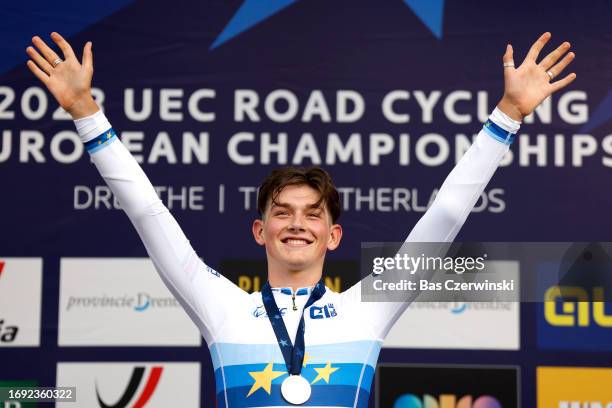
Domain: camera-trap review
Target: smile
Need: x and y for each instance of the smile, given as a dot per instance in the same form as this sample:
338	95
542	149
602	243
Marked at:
297	242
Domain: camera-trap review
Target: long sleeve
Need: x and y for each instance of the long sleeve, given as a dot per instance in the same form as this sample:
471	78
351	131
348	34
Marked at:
465	183
198	287
449	211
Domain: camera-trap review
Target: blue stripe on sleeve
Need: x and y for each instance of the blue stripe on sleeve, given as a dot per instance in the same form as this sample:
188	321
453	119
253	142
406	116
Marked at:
498	133
101	141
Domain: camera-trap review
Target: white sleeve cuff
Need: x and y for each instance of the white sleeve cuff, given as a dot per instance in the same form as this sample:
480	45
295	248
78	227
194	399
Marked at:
504	121
92	126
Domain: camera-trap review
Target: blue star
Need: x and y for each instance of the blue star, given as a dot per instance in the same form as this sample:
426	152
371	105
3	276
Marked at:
278	316
253	12
266	298
284	343
299	353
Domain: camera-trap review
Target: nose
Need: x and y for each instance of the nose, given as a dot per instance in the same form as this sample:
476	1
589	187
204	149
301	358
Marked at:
296	224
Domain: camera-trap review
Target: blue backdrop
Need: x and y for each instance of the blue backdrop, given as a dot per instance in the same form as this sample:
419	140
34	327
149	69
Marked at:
286	65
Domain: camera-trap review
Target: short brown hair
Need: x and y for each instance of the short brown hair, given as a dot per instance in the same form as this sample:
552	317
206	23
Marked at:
314	177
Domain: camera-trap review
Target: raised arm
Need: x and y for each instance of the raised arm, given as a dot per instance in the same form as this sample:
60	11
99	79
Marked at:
525	88
192	282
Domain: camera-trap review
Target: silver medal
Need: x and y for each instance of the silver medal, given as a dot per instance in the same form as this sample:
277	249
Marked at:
296	389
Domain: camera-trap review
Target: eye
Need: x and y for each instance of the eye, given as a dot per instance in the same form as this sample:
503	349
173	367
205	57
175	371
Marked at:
315	214
280	213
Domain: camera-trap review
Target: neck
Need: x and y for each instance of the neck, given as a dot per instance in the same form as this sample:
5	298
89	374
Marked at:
294	279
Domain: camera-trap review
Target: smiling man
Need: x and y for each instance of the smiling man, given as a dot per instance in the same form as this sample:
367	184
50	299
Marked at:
312	346
299	209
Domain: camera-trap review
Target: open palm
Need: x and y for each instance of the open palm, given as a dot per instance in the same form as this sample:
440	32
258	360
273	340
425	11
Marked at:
528	85
68	80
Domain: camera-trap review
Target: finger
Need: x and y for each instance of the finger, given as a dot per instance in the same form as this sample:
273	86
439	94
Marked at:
47	52
40	74
537	46
552	58
508	59
557	69
63	45
42	63
88	56
562	83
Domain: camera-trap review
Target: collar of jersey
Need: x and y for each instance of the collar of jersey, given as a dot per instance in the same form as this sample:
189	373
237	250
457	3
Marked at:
298	292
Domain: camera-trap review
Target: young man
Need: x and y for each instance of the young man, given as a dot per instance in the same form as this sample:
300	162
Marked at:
295	342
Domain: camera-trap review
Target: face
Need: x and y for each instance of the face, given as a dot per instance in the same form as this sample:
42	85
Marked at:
295	232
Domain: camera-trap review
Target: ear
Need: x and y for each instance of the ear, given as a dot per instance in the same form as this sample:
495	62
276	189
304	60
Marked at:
258	232
334	237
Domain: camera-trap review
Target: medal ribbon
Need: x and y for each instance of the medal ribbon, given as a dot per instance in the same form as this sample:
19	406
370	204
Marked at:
293	354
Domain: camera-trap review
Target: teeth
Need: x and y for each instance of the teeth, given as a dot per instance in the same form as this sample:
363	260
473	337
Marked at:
296	241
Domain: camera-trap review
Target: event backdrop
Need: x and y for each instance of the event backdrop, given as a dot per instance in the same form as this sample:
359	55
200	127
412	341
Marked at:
212	95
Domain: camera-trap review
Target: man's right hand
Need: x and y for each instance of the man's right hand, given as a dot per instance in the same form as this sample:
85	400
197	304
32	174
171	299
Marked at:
69	81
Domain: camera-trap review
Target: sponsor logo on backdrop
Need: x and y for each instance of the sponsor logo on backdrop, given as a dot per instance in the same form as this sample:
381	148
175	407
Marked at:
138	302
460	325
7	333
576	311
131	385
20	301
119	301
574	387
428	386
250	275
17	385
446	401
580	311
573	317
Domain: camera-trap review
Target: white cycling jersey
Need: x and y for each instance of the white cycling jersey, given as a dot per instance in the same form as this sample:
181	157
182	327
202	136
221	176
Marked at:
343	335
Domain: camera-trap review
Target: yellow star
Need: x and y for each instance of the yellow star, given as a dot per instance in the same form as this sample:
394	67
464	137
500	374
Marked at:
324	373
109	135
263	379
306	359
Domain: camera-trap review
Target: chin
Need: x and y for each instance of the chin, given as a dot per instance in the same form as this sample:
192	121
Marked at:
295	264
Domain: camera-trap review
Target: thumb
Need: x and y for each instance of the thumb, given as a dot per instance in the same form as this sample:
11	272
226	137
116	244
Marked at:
88	56
508	55
508	60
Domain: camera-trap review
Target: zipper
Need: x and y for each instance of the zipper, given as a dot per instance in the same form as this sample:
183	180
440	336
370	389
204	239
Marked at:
293	299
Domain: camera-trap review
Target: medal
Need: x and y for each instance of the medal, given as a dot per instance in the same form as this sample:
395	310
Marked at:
295	389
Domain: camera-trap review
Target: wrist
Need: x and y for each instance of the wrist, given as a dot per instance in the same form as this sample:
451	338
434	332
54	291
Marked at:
90	127
82	107
510	109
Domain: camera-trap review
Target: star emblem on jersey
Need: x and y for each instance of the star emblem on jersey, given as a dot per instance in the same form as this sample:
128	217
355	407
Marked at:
263	379
307	358
324	373
253	12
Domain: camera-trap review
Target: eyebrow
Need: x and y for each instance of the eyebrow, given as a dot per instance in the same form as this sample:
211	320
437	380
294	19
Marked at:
287	205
